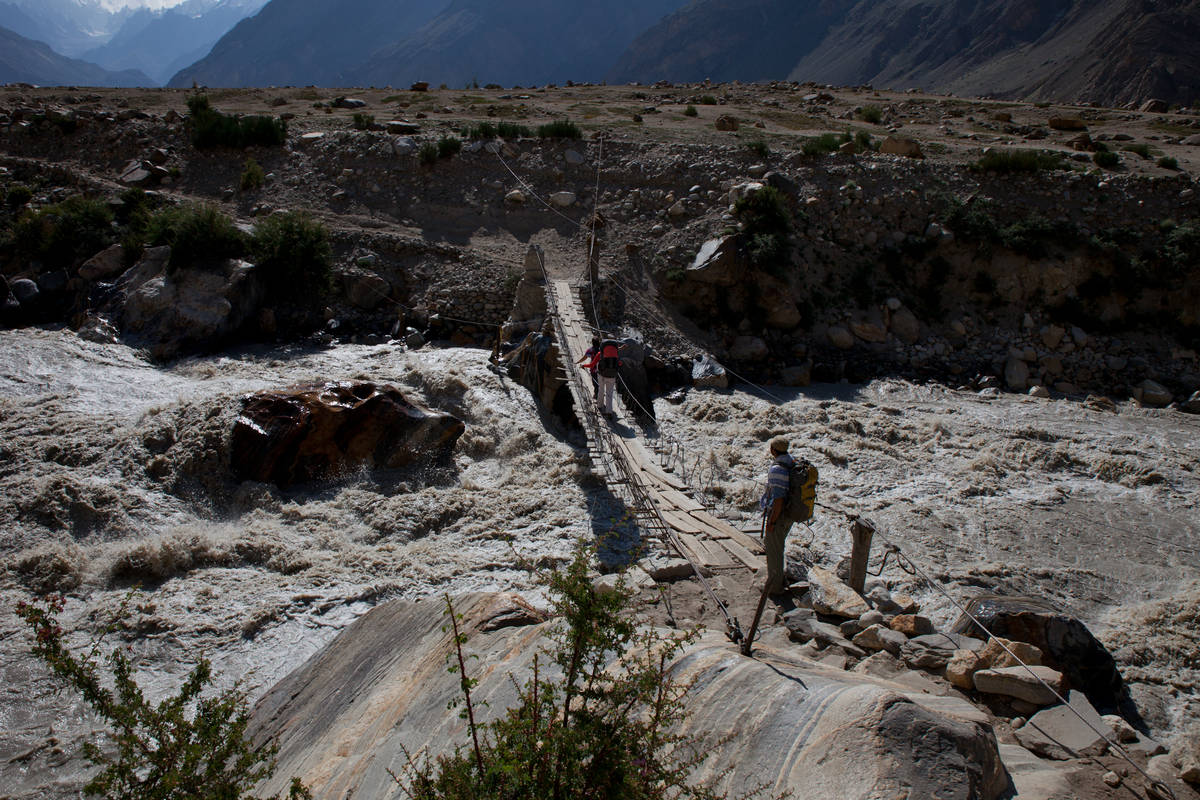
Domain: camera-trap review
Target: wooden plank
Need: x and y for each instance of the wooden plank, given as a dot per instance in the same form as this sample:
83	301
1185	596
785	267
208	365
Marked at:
681	521
748	558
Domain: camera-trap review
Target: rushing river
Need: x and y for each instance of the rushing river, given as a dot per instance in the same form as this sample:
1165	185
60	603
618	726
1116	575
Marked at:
116	488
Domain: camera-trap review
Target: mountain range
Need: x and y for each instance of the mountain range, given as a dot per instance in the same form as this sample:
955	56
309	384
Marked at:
1111	52
23	60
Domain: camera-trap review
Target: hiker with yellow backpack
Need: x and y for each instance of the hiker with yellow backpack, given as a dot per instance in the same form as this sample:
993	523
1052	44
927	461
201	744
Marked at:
789	498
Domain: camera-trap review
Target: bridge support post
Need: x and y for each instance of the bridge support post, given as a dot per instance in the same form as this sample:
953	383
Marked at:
861	534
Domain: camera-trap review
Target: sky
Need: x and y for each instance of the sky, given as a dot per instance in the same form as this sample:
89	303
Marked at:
115	5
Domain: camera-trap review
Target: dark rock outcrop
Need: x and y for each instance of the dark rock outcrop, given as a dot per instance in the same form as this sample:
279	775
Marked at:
1066	643
319	432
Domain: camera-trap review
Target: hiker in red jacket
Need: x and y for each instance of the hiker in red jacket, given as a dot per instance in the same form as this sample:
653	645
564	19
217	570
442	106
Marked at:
607	363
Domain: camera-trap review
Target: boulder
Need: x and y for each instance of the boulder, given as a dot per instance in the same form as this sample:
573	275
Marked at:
726	122
1121	730
349	102
748	348
1016	374
187	309
529	302
719	263
803	626
136	173
404	146
1066	643
380	689
911	625
828	595
563	199
707	373
322	431
1192	141
933	651
1052	336
516	197
24	291
877	637
402	127
840	337
1155	394
666	568
367	289
574	158
95	328
105	264
1067	124
961	668
869	331
1155	106
905	326
796	376
1059	733
1031	684
1193	403
534	364
899	146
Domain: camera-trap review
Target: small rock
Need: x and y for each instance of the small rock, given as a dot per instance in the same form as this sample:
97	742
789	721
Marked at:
1112	779
574	157
1016	374
1039	391
933	651
661	568
894	145
961	668
725	122
516	197
1060	733
1155	394
911	625
841	338
1190	772
563	199
24	290
871	618
828	595
877	637
1122	731
994	655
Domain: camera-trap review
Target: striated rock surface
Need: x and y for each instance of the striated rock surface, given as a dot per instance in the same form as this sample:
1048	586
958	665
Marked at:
342	718
318	432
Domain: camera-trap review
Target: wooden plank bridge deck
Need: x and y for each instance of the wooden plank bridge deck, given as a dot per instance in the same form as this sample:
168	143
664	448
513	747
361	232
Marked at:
660	499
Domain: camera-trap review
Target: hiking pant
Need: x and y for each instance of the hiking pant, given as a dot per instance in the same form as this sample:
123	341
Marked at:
607	387
595	386
773	540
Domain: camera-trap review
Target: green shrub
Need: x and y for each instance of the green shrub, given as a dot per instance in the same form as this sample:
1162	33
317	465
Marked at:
502	130
427	155
766	228
871	114
448	146
253	176
708	100
1018	161
691	111
1169	162
362	122
65	233
197	234
1106	159
863	141
582	726
18	195
211	128
824	144
1181	252
189	746
561	129
293	257
1141	148
759	148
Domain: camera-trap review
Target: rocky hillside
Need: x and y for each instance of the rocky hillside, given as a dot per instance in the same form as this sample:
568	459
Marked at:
1111	52
26	61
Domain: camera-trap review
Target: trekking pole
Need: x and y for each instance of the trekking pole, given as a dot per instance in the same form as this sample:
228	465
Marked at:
748	643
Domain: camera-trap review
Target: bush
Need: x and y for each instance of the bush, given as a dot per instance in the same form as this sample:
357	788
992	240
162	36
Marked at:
447	146
502	130
253	176
759	148
293	257
823	144
691	111
211	128
428	154
189	746
18	195
197	234
1141	148
562	129
1018	161
1169	162
597	731
766	228
708	100
363	121
1106	159
871	114
863	141
65	233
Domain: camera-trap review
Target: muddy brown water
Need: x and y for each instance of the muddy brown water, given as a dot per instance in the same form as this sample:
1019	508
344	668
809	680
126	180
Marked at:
112	477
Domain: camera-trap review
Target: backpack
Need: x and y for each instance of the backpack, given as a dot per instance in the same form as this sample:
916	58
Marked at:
802	492
610	359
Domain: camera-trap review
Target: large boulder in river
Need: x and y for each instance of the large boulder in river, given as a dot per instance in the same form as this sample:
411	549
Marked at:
1066	643
719	263
318	432
349	714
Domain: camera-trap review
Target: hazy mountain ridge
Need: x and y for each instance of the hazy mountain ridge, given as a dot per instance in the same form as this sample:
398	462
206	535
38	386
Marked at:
23	60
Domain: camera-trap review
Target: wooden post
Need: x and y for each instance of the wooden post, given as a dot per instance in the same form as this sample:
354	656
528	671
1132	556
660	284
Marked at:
861	533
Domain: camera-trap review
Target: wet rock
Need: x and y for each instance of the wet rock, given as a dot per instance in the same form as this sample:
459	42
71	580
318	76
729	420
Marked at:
810	730
707	373
1040	392
1016	374
911	625
841	338
104	265
319	432
828	595
1155	394
414	340
24	290
96	328
1059	733
796	376
1023	683
52	282
1193	403
877	637
367	290
933	651
1066	643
